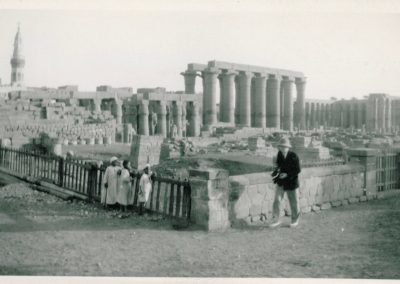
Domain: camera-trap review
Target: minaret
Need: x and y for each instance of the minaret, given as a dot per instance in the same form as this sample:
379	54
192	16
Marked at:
17	61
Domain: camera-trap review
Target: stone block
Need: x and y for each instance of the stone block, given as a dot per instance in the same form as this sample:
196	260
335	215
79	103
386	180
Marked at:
371	197
363	198
306	209
353	200
242	207
336	203
303	202
315	208
345	202
266	206
326	206
255	210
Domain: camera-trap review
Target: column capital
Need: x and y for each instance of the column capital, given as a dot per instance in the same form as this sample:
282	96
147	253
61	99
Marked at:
189	73
288	79
228	73
246	73
260	75
275	76
301	80
211	70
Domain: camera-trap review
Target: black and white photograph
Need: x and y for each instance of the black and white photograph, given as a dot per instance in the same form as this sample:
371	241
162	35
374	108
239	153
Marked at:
199	141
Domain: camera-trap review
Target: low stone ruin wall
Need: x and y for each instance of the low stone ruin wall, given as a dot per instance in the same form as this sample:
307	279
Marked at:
251	196
220	201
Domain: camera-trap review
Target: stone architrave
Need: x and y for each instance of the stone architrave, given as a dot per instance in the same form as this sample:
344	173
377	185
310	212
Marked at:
190	81
287	84
273	101
245	98
300	99
210	96
227	103
260	100
144	118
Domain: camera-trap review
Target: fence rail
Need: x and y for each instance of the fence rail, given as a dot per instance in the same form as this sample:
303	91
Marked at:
170	197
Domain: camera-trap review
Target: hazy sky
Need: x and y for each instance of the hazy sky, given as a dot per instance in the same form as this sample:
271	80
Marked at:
342	54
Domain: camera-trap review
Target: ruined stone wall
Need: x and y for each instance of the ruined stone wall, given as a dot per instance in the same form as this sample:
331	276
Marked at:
145	149
251	196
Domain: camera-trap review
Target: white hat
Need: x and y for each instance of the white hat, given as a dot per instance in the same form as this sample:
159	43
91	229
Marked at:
284	142
113	159
147	166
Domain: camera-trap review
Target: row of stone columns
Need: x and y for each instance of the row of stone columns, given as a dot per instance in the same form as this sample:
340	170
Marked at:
178	118
262	102
336	114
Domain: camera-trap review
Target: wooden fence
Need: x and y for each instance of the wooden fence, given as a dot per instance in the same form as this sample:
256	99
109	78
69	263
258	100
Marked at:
170	197
387	171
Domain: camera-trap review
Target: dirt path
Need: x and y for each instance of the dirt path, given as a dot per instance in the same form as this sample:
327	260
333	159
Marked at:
43	235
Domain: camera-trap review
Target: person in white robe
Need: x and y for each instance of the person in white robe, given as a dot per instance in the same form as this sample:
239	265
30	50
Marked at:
110	186
125	188
144	188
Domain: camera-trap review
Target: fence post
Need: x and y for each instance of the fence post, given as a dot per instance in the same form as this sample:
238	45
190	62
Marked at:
367	158
61	171
209	198
92	178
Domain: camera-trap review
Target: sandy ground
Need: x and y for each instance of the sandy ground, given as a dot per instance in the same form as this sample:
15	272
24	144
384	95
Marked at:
43	235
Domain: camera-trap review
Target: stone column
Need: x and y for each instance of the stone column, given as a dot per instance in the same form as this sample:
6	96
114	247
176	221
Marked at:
210	96
273	101
287	85
144	118
352	112
359	115
97	105
312	116
322	113
237	100
317	115
194	123
178	117
209	199
307	116
388	114
245	98
118	112
190	81
227	102
183	119
260	110
300	88
162	119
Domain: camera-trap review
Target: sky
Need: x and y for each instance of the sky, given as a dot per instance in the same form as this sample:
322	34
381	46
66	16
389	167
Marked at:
344	53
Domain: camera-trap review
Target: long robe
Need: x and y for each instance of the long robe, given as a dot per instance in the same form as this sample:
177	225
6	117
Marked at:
125	188
109	194
144	188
